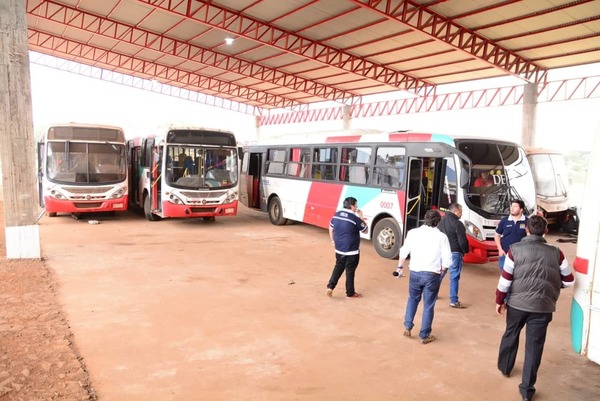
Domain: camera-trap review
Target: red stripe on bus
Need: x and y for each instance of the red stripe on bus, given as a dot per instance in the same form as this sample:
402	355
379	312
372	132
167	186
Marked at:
322	203
410	137
581	265
341	139
402	202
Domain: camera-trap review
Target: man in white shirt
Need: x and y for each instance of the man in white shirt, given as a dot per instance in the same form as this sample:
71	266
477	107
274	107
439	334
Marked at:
427	247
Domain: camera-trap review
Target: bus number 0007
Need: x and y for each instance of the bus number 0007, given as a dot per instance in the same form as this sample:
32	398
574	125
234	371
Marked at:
386	205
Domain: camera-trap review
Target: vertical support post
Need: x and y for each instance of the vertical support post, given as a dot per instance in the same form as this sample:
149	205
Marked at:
17	150
529	114
347	116
257	125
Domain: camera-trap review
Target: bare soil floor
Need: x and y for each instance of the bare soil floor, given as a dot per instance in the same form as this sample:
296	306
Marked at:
236	310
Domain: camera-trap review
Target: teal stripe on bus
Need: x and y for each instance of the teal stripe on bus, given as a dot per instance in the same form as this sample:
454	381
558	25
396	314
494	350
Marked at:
576	326
443	138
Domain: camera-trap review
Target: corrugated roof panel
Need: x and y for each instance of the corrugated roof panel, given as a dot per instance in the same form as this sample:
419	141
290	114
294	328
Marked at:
348	40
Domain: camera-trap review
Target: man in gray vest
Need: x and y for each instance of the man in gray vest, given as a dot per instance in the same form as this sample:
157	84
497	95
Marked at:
534	272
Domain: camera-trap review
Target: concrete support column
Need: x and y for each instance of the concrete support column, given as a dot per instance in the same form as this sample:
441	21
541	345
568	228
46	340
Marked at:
529	114
347	118
17	150
257	124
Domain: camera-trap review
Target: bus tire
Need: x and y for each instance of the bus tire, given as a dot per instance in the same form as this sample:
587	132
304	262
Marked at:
386	238
276	212
148	210
52	214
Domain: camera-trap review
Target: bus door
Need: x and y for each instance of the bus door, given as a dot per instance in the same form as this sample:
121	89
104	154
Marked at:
250	193
431	185
134	174
415	194
40	176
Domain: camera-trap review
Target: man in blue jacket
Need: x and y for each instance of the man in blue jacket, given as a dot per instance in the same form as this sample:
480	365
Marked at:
344	230
510	230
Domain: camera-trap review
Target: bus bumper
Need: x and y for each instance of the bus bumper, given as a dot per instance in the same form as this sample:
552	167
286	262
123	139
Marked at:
481	251
191	211
66	206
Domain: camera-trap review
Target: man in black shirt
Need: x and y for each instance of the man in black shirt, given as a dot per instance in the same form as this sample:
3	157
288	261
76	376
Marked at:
459	245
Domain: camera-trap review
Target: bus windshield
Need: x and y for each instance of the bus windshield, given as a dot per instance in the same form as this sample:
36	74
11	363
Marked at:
196	167
550	173
499	173
77	162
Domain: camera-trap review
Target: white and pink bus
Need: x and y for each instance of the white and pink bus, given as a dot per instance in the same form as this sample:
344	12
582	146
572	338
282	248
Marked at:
585	307
82	169
396	178
187	173
551	178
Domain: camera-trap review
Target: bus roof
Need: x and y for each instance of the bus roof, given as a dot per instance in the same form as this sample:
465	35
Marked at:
368	136
541	151
85	125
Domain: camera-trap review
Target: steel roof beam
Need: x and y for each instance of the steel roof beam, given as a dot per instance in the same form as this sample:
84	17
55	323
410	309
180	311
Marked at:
44	42
232	21
140	83
569	89
445	30
99	25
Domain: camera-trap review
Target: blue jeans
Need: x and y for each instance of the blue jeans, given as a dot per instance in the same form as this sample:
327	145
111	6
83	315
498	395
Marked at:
427	285
501	262
455	269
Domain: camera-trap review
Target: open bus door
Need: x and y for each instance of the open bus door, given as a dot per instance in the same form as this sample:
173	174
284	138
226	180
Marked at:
432	184
250	180
415	195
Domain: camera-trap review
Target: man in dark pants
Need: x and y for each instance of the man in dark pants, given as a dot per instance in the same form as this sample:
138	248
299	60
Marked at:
533	274
344	230
454	229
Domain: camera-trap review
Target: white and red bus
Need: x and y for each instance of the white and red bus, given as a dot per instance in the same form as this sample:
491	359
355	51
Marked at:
585	307
551	184
396	177
82	169
187	173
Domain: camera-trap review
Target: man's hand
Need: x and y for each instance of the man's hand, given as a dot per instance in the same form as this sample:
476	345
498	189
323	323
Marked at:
500	309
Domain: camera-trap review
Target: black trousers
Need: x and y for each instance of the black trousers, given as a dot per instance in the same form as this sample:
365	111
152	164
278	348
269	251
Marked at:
349	263
535	337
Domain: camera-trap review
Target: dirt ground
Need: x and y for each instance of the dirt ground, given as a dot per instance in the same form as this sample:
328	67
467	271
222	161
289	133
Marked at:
236	310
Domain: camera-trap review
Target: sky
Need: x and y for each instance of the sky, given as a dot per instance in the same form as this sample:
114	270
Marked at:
60	96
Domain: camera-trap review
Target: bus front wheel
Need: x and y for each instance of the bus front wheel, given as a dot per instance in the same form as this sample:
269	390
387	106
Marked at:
276	212
386	238
148	210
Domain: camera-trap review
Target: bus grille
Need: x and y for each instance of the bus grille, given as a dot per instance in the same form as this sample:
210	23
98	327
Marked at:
87	205
203	209
203	195
88	190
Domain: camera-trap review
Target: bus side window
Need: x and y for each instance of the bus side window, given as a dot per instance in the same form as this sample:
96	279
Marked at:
357	174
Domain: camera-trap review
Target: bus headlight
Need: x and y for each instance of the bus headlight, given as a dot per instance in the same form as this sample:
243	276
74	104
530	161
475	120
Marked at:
473	230
57	195
175	199
231	197
118	193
